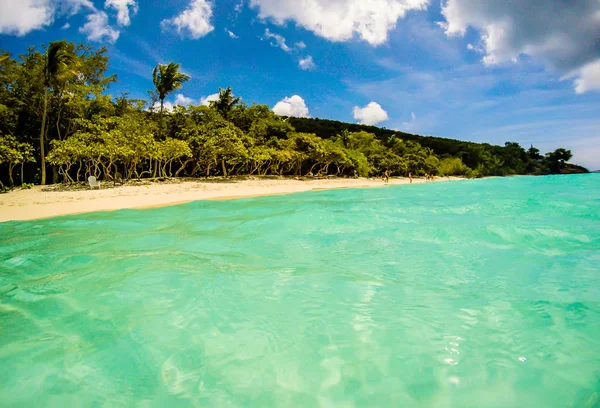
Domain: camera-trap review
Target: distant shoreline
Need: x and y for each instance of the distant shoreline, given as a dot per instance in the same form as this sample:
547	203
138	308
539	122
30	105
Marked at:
35	203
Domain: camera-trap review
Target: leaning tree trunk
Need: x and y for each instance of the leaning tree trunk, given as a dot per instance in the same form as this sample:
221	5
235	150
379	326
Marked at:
224	168
42	133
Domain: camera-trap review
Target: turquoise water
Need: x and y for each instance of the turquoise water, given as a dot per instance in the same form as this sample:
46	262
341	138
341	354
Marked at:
481	293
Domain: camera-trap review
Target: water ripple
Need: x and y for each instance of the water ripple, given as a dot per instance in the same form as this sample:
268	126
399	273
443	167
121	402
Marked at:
482	293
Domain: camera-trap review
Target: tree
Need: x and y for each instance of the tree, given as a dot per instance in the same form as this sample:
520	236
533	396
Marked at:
58	59
12	153
225	103
534	153
556	160
167	78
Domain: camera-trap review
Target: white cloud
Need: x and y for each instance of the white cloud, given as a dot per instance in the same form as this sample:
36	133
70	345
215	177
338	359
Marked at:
307	63
340	20
564	34
278	40
206	100
589	78
239	7
72	7
231	34
371	114
194	22
408	126
292	106
183	100
123	9
167	106
97	28
22	16
300	45
180	99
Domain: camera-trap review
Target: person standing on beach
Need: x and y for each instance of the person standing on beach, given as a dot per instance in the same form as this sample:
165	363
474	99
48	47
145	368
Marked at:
410	177
386	176
355	174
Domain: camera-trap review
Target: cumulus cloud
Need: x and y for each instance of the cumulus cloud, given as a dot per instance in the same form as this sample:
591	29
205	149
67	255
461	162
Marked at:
307	63
300	45
97	28
231	34
278	40
341	20
371	114
292	106
564	34
167	106
206	100
194	22
123	7
23	16
183	100
180	99
589	78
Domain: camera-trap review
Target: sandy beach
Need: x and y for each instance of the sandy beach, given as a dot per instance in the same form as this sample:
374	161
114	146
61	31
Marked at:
37	203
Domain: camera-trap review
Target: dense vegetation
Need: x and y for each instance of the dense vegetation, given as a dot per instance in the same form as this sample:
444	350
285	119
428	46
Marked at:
56	115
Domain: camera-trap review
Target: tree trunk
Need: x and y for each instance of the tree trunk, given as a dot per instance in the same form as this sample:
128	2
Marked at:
78	170
10	173
54	175
183	166
161	117
22	164
42	133
224	168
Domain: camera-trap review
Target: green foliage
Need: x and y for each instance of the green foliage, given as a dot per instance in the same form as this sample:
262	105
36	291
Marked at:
555	161
167	78
59	99
225	103
453	166
13	152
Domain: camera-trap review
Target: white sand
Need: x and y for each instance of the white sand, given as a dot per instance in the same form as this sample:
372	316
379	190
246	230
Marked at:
35	203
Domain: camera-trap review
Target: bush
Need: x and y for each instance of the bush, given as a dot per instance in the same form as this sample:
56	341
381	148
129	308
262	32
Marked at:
454	166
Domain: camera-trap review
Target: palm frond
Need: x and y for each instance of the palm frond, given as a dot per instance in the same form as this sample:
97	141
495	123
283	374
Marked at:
167	78
58	60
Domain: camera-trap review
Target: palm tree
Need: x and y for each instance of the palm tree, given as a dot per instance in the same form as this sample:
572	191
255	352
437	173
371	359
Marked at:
226	102
167	78
58	59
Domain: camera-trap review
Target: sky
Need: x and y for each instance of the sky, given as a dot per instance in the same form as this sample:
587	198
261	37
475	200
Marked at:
524	71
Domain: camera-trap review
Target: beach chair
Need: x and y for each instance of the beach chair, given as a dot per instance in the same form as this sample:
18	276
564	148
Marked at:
93	182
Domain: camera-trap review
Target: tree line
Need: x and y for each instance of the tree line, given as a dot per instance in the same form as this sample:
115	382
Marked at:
56	116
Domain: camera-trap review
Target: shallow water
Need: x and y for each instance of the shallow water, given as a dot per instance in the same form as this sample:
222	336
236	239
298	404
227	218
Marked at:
480	293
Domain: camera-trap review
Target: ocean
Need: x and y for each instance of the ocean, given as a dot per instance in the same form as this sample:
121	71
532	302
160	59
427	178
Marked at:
476	293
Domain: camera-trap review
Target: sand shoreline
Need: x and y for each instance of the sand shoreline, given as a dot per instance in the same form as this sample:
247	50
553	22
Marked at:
20	205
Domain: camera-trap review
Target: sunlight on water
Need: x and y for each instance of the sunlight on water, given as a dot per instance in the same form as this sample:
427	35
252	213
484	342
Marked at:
471	294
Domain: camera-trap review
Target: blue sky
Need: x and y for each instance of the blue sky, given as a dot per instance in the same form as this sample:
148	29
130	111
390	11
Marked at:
518	70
